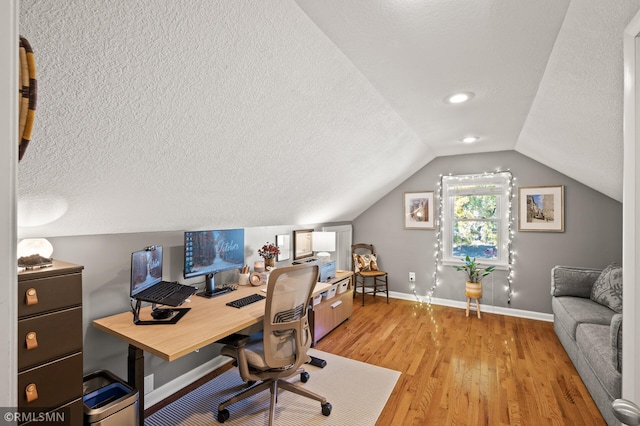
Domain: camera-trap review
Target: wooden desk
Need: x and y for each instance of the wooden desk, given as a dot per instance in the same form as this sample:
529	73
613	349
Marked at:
208	321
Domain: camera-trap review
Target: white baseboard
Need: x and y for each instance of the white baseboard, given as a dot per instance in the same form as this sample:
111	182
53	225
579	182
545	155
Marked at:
484	308
159	394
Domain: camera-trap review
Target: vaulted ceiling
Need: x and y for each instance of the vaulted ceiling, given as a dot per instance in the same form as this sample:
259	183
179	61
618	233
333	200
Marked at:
166	115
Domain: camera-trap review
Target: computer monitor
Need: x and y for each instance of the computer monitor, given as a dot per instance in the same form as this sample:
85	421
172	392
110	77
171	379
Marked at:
209	252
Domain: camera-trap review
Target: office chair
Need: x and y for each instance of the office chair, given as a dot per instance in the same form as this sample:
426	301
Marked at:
365	265
286	337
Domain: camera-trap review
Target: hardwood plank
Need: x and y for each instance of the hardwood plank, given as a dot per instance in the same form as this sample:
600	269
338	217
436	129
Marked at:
497	370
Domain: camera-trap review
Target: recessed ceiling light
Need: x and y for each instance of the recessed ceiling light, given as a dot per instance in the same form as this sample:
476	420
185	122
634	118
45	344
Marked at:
470	139
458	98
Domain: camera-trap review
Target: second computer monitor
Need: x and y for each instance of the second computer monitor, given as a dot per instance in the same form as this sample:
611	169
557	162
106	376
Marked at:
208	252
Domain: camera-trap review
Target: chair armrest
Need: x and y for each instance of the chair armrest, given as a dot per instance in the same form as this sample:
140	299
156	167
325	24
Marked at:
573	281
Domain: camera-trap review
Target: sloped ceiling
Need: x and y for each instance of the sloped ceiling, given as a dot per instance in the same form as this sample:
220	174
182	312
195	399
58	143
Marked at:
166	115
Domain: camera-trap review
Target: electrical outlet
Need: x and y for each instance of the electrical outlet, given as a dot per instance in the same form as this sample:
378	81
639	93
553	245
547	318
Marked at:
148	384
412	276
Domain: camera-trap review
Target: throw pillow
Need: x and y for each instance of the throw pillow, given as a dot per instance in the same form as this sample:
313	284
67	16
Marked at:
607	290
365	262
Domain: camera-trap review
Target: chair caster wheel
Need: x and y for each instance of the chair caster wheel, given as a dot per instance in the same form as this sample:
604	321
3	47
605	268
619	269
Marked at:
326	409
223	415
304	377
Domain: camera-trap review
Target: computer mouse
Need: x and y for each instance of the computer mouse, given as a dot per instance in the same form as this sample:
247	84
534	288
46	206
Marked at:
161	313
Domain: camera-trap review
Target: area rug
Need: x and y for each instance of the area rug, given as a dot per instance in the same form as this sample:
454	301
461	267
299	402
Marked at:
357	392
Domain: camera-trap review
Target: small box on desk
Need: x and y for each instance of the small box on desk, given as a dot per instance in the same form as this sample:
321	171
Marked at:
327	271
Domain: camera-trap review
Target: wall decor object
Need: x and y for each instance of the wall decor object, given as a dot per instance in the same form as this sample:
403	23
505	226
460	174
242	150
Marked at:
28	89
302	243
541	208
284	243
419	210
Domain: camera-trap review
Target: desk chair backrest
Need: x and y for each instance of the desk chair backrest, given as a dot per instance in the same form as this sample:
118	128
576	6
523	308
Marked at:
286	328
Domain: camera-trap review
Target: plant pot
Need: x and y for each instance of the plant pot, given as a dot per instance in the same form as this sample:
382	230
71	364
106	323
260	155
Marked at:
270	262
473	290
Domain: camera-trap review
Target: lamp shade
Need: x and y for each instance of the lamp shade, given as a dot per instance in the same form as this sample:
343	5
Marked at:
323	242
31	246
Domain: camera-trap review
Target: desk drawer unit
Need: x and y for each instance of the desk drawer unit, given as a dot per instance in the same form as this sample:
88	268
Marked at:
332	312
49	336
72	413
51	385
50	371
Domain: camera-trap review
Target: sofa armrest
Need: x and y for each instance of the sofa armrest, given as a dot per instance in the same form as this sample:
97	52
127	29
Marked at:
616	341
573	281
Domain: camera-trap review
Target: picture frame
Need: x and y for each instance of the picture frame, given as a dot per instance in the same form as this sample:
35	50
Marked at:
302	244
283	242
419	212
541	208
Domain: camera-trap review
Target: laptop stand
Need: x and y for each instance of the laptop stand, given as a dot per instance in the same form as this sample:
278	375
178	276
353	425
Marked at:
179	313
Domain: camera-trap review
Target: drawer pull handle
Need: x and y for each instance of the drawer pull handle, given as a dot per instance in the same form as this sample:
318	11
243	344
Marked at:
31	297
31	340
31	392
336	304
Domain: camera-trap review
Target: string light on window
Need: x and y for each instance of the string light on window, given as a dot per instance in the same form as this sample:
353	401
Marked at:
438	245
511	258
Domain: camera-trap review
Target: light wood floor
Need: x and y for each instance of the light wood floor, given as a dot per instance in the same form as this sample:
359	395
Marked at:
459	370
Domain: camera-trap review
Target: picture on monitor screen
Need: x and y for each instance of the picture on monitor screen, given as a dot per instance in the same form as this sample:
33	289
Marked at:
208	252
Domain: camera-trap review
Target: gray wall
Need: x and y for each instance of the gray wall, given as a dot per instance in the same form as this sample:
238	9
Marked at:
107	265
592	237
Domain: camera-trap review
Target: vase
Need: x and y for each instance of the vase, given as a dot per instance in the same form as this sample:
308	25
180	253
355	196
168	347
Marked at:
270	263
473	290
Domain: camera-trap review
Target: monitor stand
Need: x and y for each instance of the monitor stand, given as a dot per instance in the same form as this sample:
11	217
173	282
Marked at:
209	287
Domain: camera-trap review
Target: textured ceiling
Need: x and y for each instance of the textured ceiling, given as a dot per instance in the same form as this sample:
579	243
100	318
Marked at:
166	115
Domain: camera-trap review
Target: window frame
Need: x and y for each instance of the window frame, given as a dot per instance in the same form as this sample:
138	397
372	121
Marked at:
501	183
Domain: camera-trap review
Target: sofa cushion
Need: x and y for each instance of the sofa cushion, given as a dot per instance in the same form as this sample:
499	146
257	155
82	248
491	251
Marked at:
573	311
573	281
616	341
607	290
593	341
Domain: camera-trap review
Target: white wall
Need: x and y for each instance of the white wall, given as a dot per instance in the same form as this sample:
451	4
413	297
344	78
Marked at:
8	154
631	347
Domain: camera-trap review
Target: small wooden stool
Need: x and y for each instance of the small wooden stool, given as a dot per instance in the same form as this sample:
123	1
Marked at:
477	305
473	291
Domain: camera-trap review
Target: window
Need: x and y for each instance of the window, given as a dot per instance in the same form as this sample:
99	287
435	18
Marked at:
476	218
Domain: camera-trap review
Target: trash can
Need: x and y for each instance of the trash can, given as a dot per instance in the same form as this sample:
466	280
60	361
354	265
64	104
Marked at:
109	401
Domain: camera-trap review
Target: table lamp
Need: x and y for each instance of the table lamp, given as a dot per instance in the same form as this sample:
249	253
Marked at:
34	253
323	243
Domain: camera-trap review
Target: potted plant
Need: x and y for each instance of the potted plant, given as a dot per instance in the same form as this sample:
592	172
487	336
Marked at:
475	274
269	252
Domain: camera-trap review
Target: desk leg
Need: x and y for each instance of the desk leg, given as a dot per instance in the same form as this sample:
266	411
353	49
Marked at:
135	377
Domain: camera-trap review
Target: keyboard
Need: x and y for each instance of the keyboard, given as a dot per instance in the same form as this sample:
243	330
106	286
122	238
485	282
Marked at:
161	292
166	293
247	300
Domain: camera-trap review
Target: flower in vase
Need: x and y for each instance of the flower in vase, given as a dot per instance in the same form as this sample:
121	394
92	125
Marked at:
269	251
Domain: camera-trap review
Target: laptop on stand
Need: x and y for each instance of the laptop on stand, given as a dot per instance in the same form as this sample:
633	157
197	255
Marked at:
147	284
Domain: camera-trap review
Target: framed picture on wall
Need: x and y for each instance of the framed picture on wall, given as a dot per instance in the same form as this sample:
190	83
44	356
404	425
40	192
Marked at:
419	210
283	242
541	208
302	244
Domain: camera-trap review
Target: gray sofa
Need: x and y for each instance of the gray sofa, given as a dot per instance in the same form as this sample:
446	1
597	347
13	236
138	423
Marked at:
587	311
